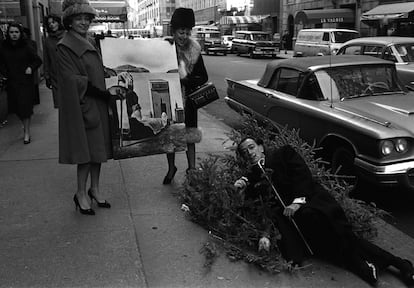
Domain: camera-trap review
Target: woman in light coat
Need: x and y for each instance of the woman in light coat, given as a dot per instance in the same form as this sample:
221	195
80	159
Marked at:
84	135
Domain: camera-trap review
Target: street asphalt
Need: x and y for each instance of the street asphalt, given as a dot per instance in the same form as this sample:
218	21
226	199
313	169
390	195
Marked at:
144	240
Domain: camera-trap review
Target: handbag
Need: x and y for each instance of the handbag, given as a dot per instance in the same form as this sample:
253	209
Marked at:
203	95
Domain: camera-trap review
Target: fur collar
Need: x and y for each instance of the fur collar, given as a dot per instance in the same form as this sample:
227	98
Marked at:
188	56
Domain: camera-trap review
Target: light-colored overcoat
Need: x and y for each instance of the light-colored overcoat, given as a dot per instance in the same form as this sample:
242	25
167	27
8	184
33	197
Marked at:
84	135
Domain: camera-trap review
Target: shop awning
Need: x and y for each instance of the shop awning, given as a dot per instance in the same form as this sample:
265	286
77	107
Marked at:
9	9
390	11
110	11
242	19
343	15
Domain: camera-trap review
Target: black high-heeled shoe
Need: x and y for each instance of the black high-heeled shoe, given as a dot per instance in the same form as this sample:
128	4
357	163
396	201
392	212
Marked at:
100	204
407	272
82	211
168	179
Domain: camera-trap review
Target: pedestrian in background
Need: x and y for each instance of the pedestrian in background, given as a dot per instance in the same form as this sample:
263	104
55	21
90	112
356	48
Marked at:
55	32
285	39
192	74
18	63
33	44
84	135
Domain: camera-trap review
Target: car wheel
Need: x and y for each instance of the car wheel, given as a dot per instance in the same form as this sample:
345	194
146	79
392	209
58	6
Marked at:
342	164
207	53
252	55
225	53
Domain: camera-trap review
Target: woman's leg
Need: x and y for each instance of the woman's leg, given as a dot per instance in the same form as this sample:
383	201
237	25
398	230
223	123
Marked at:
171	168
82	175
26	128
171	162
95	175
191	155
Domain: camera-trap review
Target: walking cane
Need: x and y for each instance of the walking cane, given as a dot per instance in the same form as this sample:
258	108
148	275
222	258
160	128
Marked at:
261	163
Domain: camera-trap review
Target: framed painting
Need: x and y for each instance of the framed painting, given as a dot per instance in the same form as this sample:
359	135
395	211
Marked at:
150	120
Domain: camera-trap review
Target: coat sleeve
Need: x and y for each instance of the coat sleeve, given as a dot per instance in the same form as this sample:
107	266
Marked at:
197	77
3	71
35	60
71	78
72	85
298	172
46	60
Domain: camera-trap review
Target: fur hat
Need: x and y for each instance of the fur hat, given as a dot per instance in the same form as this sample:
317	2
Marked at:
74	7
183	18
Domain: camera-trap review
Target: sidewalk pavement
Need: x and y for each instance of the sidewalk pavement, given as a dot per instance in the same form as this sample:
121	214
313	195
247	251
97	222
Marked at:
144	240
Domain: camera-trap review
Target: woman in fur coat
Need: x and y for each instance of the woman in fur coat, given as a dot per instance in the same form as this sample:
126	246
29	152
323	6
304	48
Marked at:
192	72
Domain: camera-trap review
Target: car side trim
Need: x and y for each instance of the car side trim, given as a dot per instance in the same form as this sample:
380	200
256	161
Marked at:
398	168
385	124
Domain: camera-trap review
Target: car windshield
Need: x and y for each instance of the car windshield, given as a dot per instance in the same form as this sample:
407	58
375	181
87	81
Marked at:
343	36
261	37
357	81
406	51
213	35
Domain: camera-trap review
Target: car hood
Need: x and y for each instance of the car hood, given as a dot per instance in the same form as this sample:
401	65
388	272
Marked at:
406	67
396	111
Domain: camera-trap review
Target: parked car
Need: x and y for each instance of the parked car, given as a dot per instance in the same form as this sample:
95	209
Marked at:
354	107
210	42
322	41
397	49
227	40
255	43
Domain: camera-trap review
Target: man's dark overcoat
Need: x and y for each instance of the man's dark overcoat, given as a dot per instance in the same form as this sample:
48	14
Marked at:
293	179
84	134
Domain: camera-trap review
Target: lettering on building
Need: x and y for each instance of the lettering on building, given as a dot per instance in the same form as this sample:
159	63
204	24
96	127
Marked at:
332	20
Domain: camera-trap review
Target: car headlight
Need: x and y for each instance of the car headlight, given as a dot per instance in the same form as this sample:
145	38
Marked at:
387	147
401	145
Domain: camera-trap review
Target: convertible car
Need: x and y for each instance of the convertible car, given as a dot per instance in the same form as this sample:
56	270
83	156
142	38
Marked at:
354	107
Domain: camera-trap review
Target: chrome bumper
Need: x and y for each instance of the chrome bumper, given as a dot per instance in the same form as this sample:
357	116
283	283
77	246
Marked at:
392	169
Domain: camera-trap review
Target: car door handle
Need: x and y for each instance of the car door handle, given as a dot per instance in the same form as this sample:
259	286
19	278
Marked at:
268	95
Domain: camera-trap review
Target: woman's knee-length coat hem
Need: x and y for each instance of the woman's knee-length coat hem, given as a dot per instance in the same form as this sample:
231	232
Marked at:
84	135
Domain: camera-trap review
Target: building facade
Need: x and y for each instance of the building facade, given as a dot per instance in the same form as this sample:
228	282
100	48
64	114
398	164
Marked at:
150	14
394	15
30	13
206	11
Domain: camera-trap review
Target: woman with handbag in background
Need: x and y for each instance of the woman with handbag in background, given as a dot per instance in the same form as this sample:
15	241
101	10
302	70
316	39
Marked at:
18	63
84	132
192	72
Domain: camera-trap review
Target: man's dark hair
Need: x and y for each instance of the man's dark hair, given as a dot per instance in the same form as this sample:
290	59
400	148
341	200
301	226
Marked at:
258	141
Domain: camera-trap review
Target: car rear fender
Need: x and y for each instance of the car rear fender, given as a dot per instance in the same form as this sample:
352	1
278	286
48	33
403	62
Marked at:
230	87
